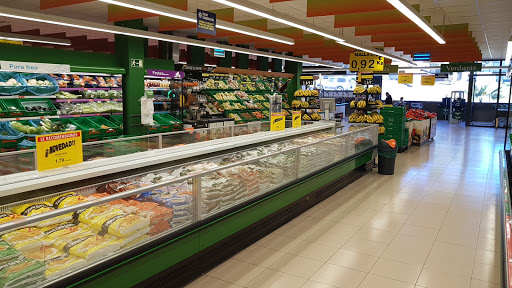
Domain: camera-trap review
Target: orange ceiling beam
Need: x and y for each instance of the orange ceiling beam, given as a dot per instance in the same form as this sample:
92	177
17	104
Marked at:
170	24
339	7
119	13
48	4
370	18
387	29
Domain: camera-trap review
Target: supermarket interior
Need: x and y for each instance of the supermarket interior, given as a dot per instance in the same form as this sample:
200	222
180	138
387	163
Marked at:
255	143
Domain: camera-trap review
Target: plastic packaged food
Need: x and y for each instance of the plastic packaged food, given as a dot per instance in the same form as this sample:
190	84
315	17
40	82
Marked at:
119	224
7	253
8	217
44	253
21	273
58	231
67	199
138	240
63	265
91	247
88	214
26	239
127	240
39	208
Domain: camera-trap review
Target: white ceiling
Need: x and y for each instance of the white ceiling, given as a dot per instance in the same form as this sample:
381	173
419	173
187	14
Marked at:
489	20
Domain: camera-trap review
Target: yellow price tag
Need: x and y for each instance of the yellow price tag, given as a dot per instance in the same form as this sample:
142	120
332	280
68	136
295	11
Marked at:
363	61
428	80
19	43
405	78
277	122
296	119
59	150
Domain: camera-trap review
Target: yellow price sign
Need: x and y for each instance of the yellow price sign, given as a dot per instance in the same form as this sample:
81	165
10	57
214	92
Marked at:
363	61
428	80
296	119
277	122
405	78
59	150
19	43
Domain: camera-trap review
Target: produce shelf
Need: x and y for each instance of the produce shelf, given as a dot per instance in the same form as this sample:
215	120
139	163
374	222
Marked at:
28	97
159	89
88	115
92	89
86	100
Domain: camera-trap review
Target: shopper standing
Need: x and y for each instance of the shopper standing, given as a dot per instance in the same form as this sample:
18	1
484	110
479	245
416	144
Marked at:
388	100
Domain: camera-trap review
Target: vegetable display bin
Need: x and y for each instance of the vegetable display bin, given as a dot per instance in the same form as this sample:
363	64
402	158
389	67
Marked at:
9	137
41	90
3	109
164	125
10	89
89	130
38	107
117	119
14	107
112	130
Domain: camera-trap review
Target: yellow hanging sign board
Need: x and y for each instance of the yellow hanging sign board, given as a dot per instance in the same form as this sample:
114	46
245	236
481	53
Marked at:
364	61
12	42
405	78
59	150
428	80
277	122
296	119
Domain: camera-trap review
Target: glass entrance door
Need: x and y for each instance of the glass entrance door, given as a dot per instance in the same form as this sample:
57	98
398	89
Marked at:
485	100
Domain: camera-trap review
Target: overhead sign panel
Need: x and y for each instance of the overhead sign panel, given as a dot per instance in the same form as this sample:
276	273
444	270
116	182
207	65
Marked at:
206	22
364	61
461	67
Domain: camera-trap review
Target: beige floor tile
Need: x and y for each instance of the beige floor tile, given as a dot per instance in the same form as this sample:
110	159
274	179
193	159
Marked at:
314	284
374	281
308	222
464	237
328	239
237	272
428	219
275	279
368	247
353	260
488	258
475	283
278	242
314	251
396	270
438	279
296	231
343	229
451	258
353	219
375	235
338	276
210	282
385	224
420	232
395	217
260	256
486	273
398	209
297	265
489	244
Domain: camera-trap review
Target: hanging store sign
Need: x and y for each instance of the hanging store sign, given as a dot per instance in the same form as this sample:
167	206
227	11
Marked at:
364	61
166	74
388	69
59	150
296	119
365	78
429	80
19	43
461	67
307	80
442	75
206	22
219	53
277	121
405	78
29	67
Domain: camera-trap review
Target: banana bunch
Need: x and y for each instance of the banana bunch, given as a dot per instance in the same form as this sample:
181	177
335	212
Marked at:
353	104
382	130
314	93
296	104
375	89
316	116
377	118
379	104
361	104
306	117
304	104
305	93
356	117
359	90
312	102
299	93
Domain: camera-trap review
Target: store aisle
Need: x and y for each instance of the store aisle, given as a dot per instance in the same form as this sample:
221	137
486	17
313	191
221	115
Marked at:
435	223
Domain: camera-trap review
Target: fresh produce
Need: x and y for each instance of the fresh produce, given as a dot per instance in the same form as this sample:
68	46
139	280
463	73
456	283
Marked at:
235	116
259	115
306	117
10	82
66	95
353	104
223	96
375	90
35	82
359	90
316	117
26	129
418	114
306	93
361	104
382	130
360	117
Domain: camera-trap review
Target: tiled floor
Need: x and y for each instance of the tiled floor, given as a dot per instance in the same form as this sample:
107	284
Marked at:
434	224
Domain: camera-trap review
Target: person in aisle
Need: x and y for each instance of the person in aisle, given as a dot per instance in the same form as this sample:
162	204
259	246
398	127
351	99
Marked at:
389	99
401	102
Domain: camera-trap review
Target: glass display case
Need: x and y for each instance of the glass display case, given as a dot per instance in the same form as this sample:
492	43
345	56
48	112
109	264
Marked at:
50	237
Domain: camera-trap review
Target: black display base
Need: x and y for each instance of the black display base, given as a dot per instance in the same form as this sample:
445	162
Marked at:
193	267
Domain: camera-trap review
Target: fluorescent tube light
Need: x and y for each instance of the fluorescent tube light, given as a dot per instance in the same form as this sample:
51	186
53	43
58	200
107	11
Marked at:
377	52
167	11
255	9
416	17
87	25
508	55
31	38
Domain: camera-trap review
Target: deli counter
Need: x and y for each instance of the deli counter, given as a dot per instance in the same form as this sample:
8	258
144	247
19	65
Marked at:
164	216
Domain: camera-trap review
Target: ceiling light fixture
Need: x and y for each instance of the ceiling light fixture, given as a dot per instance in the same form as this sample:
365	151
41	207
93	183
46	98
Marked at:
256	9
31	38
87	25
417	18
508	55
171	12
377	52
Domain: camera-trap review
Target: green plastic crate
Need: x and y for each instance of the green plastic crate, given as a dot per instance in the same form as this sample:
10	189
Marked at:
3	110
14	107
171	120
117	119
44	103
164	125
89	132
113	130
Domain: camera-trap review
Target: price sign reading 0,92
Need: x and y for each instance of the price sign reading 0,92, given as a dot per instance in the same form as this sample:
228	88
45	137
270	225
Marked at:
362	61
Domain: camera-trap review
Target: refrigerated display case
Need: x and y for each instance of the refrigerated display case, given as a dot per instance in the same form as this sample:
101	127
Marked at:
91	224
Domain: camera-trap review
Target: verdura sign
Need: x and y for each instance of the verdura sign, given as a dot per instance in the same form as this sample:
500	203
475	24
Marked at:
461	67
